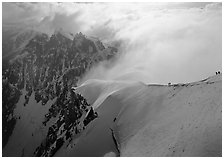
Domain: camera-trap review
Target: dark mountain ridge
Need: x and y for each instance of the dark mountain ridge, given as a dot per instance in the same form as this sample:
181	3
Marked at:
49	67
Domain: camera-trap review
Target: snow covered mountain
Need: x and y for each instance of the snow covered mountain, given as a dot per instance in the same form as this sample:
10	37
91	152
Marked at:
93	79
135	119
45	113
38	104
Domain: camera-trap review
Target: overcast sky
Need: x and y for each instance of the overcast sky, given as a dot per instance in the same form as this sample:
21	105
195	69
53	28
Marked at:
161	42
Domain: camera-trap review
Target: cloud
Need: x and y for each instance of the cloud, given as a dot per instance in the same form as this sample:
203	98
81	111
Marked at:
165	45
160	42
68	23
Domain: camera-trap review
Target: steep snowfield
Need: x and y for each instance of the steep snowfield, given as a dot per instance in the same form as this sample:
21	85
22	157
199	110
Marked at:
29	130
152	120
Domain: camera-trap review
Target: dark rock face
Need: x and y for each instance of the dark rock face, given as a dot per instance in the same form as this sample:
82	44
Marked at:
49	67
68	124
10	97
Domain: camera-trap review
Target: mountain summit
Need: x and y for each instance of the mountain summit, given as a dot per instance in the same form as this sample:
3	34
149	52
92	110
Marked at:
37	82
135	119
45	112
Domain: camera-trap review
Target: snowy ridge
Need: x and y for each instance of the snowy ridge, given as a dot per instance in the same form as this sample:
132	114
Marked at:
97	91
153	120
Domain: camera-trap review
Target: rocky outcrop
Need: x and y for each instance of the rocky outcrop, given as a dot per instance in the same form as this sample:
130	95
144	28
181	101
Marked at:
48	67
69	124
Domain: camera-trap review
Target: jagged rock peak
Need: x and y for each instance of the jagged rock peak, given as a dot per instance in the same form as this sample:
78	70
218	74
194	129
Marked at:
80	35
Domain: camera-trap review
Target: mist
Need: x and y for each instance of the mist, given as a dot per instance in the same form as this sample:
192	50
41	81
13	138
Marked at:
158	42
165	45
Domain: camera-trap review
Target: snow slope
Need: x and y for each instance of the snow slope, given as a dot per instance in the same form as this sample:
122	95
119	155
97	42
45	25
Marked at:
152	120
29	130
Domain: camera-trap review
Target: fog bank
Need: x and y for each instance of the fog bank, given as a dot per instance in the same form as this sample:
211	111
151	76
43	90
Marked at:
159	42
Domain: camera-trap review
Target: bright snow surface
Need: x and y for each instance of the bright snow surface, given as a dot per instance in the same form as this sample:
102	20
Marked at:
146	120
152	120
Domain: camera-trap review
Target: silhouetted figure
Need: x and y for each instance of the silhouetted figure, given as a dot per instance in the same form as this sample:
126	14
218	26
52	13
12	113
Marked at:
169	84
216	73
